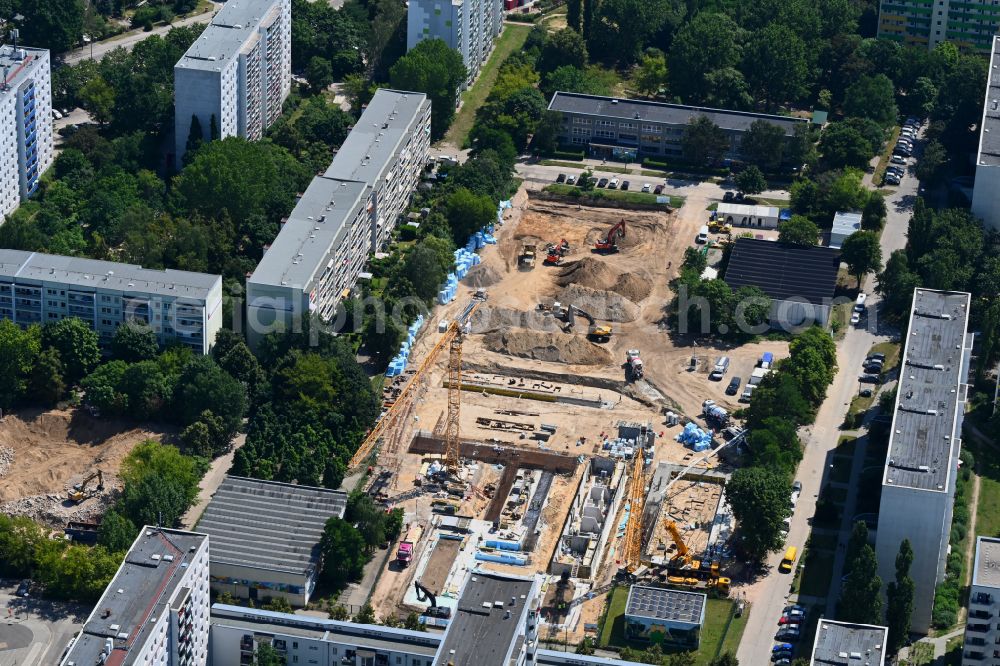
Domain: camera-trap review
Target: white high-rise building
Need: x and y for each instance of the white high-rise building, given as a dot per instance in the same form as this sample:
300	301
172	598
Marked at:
986	193
155	612
468	26
236	75
982	631
25	123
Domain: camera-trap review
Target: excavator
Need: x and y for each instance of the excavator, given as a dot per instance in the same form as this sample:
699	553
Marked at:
596	332
423	594
79	492
556	252
610	242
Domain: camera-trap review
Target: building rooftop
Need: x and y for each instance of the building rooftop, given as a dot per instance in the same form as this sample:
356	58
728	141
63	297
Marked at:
986	572
375	637
322	216
223	39
930	397
989	136
91	275
377	137
745	209
784	271
674	606
17	65
269	525
480	632
559	658
845	644
144	584
846	223
660	112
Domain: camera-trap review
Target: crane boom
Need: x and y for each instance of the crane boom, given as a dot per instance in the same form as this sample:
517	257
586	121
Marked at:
632	548
391	416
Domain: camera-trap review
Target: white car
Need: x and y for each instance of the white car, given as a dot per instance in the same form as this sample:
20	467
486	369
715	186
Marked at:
646	187
613	183
859	304
56	114
855	318
570	180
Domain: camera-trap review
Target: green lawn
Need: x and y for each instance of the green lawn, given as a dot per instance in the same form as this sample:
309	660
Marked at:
816	570
717	634
988	509
611	195
883	158
846	444
780	203
891	351
512	39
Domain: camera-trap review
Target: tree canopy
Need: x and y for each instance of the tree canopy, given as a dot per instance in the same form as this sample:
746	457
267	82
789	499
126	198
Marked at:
759	499
431	67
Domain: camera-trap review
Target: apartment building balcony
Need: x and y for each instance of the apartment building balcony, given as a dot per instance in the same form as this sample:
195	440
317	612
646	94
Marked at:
974	656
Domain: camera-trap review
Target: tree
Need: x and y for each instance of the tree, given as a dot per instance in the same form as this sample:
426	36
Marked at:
18	350
775	64
799	230
589	81
759	499
650	76
623	28
343	553
564	47
875	211
204	385
160	484
704	142
574	14
725	659
45	381
76	344
899	594
467	213
872	97
764	145
134	341
432	68
931	165
319	73
751	180
382	337
861	593
844	146
54	24
413	623
862	253
920	99
266	655
585	646
98	98
694	260
366	615
116	532
691	63
196	136
896	283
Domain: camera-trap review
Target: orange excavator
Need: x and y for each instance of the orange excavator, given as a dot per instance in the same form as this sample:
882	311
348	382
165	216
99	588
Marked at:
556	252
610	242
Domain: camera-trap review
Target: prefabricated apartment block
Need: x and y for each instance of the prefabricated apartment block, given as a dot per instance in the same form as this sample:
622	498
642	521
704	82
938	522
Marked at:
918	486
344	215
468	26
180	306
236	75
848	644
982	630
986	192
25	123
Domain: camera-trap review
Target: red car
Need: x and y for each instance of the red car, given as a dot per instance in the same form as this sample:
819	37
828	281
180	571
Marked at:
785	619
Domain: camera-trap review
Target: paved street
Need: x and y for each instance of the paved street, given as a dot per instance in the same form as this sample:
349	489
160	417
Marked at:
128	40
211	482
770	594
34	632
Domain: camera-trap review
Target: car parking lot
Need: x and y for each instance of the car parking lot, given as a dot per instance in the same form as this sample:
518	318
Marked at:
900	161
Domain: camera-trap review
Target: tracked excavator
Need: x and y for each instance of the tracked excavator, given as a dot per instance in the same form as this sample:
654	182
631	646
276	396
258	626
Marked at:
609	243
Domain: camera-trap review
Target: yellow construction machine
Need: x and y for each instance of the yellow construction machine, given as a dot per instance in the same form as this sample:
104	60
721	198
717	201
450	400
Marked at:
80	491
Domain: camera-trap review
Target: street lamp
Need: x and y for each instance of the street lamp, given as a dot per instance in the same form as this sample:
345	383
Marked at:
88	40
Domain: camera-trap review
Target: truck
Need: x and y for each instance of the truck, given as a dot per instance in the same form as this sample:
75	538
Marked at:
757	376
747	392
712	412
633	364
766	360
404	554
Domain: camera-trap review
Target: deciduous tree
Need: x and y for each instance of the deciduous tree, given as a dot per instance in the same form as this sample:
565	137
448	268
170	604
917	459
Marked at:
343	552
751	180
432	68
759	499
704	142
764	145
134	341
862	253
799	230
76	344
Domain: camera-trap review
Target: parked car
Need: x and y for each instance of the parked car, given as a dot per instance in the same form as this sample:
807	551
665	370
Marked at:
728	196
658	189
570	180
23	589
734	386
877	356
625	185
603	182
796	487
561	178
56	114
783	647
855	318
794	608
786	635
646	187
788	620
897	159
783	656
613	184
868	378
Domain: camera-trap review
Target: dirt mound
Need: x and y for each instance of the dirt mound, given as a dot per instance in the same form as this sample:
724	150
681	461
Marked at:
633	286
587	272
482	276
550	347
487	319
601	304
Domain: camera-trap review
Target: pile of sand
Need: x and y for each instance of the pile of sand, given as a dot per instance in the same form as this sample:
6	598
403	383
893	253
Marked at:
482	276
587	272
633	286
602	305
487	319
549	347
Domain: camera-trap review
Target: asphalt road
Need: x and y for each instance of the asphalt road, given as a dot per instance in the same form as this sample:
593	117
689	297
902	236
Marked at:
771	593
128	40
34	632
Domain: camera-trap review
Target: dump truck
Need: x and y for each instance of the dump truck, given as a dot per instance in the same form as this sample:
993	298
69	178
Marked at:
633	364
526	260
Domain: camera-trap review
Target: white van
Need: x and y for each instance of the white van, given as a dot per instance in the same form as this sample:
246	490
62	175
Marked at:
859	304
720	369
702	235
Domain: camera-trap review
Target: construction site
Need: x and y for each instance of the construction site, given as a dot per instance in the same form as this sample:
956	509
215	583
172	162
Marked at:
548	422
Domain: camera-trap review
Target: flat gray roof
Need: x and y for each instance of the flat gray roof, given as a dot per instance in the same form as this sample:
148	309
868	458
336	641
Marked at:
657	603
225	36
930	396
479	633
545	657
843	644
986	572
377	137
269	525
846	223
660	112
318	220
92	274
989	130
362	635
146	584
18	69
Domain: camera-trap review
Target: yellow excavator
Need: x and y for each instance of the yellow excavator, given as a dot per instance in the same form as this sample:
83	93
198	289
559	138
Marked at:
79	492
596	332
